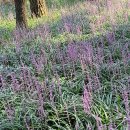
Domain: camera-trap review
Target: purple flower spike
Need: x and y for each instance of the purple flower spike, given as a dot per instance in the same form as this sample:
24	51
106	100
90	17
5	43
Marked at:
110	38
72	52
15	84
87	101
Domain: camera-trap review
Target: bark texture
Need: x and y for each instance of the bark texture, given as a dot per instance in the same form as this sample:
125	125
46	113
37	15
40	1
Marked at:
21	18
38	8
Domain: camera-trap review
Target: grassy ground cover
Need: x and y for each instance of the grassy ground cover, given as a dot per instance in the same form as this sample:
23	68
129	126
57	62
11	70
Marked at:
68	71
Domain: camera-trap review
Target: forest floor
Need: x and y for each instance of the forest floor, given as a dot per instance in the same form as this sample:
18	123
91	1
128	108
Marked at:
69	71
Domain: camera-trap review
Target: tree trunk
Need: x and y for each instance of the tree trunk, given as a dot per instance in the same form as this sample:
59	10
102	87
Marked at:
38	8
21	18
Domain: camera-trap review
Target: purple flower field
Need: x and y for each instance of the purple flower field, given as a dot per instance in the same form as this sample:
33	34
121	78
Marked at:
70	71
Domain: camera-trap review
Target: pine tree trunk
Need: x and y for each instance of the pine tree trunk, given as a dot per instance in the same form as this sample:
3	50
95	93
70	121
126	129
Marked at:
38	8
21	18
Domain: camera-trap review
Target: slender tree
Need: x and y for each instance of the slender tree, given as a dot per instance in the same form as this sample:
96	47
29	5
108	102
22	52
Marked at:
21	18
38	8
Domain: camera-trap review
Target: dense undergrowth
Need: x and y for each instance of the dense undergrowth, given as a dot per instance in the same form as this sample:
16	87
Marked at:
70	71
